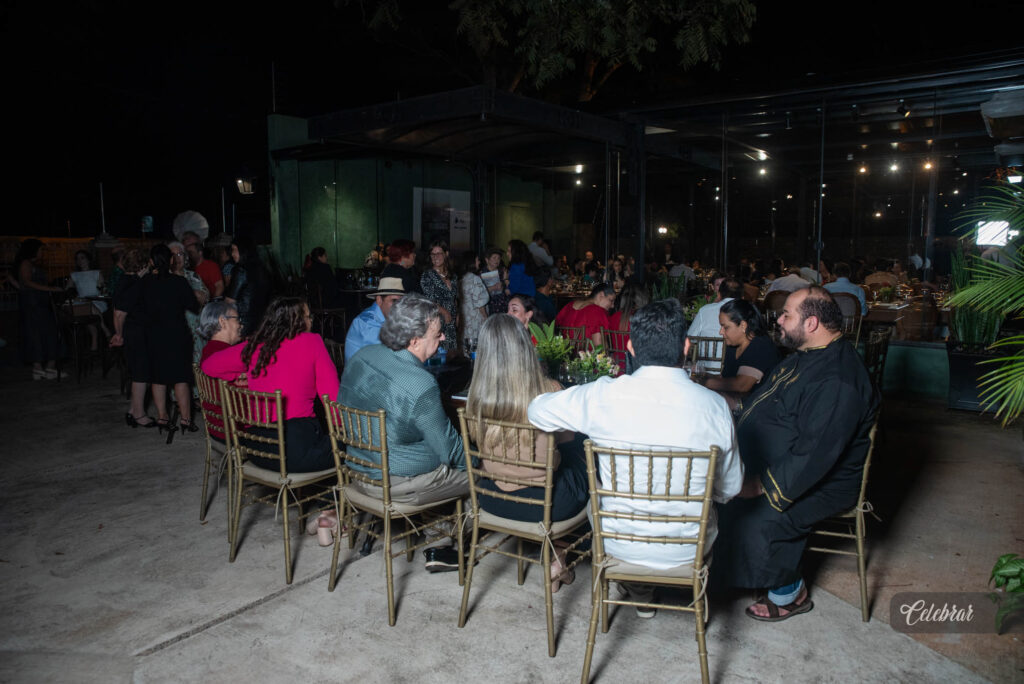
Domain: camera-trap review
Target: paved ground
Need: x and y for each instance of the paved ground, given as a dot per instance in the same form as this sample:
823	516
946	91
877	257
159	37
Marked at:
107	575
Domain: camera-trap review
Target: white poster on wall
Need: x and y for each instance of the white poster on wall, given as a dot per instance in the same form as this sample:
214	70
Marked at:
440	214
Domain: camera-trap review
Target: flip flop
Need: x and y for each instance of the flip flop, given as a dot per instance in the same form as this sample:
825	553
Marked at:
773	609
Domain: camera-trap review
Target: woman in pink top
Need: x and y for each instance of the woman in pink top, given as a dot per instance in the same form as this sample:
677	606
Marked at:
590	313
283	354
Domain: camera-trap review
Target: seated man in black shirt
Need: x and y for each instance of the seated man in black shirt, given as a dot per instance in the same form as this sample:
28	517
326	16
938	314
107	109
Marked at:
803	439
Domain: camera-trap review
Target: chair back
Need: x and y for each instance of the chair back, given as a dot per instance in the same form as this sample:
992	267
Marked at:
919	319
645	477
576	336
351	428
336	350
849	305
875	351
211	405
615	344
867	466
775	300
511	446
707	349
245	411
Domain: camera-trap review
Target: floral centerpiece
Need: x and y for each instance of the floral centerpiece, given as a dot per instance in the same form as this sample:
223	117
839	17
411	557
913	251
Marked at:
591	365
552	349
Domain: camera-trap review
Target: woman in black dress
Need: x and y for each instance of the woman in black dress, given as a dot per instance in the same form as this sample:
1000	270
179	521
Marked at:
40	343
750	353
402	262
130	332
250	285
165	299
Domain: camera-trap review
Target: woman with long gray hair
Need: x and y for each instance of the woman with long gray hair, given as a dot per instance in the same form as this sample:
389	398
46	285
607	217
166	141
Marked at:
506	378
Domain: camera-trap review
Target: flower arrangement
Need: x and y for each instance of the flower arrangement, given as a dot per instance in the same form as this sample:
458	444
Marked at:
591	365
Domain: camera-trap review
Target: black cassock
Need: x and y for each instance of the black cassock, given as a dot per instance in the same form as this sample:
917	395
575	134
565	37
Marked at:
805	434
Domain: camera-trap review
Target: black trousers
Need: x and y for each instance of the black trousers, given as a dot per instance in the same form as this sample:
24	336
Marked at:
307	446
568	497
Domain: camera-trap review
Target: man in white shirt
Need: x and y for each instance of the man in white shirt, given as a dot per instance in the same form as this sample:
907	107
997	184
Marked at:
656	407
705	323
541	255
790	282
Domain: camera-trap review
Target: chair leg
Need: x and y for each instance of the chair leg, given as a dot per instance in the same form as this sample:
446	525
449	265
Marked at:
862	568
545	576
521	564
287	540
236	513
469	574
408	544
457	541
388	569
206	481
595	601
604	607
699	618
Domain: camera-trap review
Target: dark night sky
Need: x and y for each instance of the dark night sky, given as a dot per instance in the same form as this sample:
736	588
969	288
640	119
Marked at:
166	105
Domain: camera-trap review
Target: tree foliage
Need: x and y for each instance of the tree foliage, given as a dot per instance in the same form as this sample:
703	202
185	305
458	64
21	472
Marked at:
533	43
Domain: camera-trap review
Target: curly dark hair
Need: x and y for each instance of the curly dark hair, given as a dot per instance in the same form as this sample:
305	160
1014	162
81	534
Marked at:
285	318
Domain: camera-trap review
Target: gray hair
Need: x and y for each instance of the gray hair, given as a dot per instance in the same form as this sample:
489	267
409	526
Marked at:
410	317
209	319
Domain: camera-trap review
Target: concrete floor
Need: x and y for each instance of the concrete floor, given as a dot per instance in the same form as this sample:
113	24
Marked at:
107	575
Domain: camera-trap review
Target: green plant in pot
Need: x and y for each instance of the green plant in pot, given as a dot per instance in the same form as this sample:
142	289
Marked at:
986	291
552	349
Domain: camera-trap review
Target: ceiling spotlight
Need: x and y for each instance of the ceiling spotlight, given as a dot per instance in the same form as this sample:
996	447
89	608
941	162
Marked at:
716	198
878	214
956	192
762	171
863	169
789	197
762	155
894	167
579	182
662	230
927	166
902	110
964	174
579	168
894	145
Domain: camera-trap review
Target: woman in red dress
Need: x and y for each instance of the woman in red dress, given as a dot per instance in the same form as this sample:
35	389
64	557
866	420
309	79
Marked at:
590	313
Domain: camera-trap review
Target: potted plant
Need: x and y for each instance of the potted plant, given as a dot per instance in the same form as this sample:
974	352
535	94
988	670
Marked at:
984	292
552	349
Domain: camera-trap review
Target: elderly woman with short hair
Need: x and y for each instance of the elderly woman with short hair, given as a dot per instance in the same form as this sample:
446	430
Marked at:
219	325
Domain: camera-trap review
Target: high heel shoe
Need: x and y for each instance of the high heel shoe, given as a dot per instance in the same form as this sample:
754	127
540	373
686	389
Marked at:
324	526
560	574
187	426
133	422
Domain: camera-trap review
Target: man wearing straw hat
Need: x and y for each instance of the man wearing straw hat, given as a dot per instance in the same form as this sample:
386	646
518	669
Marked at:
365	329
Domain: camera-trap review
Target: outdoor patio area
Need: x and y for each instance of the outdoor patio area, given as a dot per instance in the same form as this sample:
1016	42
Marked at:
107	575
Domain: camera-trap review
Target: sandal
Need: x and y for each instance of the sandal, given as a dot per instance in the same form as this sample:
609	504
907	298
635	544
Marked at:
774	615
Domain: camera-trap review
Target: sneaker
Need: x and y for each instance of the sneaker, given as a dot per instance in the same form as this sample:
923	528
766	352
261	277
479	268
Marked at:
442	559
639	592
